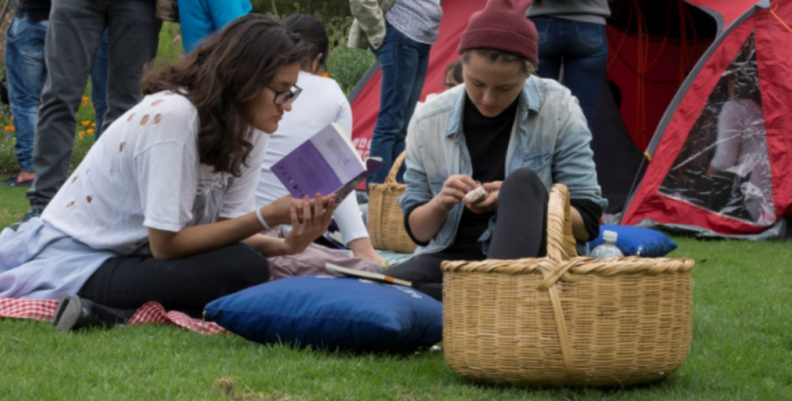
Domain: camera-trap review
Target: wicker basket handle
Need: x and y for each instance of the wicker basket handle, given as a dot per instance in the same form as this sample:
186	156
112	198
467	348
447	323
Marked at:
391	179
560	249
560	241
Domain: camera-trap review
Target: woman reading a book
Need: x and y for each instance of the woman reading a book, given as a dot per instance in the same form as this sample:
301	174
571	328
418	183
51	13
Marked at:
505	130
322	102
162	208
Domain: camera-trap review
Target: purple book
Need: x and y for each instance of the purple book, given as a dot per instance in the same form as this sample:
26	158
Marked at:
327	163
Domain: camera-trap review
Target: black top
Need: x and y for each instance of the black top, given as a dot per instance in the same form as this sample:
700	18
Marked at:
36	10
487	140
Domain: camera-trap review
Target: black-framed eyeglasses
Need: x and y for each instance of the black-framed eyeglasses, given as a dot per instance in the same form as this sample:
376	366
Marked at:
283	96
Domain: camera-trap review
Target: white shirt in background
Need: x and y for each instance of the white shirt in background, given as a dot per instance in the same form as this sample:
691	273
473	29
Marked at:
322	102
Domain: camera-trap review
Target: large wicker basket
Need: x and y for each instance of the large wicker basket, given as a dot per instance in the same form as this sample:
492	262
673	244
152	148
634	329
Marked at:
385	219
564	320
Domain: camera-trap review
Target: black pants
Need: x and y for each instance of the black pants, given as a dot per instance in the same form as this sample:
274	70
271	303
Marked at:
123	284
520	232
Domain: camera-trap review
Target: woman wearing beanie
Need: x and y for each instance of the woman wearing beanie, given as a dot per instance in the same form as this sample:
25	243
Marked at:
510	132
572	35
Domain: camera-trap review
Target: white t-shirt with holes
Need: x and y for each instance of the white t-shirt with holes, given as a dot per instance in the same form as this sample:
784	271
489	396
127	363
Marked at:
145	172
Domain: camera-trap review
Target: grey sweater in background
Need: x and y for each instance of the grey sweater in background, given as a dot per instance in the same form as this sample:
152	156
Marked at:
594	11
417	19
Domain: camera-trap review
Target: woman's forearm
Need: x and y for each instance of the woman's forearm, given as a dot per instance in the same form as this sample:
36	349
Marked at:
425	220
167	245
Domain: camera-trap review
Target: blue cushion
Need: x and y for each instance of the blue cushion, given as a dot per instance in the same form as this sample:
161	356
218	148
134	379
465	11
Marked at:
328	312
652	243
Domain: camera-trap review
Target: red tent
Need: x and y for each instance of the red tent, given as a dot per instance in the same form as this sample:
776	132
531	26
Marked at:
721	154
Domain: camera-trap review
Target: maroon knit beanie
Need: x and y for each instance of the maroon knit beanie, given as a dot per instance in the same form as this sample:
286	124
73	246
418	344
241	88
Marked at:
502	25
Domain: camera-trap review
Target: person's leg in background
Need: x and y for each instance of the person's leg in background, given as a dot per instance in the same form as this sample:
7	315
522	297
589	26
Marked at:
551	46
99	85
399	61
75	31
521	219
134	37
422	51
26	73
585	60
123	284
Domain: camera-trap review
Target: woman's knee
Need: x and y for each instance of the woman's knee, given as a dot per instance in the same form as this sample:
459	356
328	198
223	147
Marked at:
523	179
244	267
521	187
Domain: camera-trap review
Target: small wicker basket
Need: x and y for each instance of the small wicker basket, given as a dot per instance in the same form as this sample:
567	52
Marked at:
385	218
565	320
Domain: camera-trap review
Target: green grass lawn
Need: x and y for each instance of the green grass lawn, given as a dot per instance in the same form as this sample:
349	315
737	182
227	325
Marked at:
742	350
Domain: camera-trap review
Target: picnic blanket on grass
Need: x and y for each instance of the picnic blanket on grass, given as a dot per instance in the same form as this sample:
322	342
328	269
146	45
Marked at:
151	312
393	258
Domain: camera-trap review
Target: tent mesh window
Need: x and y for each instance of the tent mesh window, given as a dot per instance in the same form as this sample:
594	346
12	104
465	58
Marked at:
724	165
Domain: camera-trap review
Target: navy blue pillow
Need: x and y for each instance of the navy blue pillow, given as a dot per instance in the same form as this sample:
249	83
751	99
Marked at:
651	243
329	312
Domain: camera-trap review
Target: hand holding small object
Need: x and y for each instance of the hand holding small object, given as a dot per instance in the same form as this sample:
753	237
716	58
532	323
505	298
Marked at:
488	201
453	191
477	195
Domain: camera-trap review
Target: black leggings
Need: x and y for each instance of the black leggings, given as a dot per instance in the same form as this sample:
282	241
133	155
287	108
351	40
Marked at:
123	284
520	232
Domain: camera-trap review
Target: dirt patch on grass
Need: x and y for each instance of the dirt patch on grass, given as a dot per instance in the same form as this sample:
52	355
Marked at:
228	386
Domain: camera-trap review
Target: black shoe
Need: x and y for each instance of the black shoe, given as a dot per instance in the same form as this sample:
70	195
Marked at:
80	313
35	211
64	301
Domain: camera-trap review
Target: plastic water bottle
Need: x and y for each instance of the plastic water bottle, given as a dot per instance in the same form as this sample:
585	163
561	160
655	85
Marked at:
608	249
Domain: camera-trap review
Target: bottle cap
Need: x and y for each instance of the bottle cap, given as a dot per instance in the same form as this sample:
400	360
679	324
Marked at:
610	236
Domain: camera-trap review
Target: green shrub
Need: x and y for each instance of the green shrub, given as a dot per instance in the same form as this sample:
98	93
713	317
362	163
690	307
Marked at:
324	9
347	65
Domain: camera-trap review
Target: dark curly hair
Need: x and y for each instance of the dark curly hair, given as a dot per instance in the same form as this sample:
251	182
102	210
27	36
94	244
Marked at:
313	33
221	76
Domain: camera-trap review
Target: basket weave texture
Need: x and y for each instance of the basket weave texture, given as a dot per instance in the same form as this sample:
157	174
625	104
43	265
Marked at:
565	320
385	219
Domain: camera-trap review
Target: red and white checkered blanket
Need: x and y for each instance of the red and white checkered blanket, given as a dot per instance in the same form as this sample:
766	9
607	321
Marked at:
151	312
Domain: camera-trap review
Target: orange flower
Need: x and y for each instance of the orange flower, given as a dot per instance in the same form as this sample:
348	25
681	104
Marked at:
86	123
82	133
10	128
93	124
90	131
85	98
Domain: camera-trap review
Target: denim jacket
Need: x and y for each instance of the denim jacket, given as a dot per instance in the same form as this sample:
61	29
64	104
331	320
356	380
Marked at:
550	135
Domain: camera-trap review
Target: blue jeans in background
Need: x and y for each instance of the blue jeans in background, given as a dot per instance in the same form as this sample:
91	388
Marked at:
404	63
99	85
26	73
582	49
